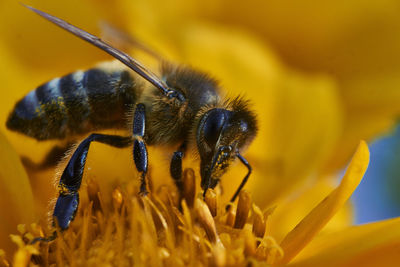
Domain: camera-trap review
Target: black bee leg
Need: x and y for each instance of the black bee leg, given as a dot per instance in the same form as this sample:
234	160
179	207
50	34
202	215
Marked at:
71	178
244	161
139	146
176	167
55	154
50	160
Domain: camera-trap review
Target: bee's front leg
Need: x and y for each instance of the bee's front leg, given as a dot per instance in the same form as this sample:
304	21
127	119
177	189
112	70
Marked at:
139	146
244	181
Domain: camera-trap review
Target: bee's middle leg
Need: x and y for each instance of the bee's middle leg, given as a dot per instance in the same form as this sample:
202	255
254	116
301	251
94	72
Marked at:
139	146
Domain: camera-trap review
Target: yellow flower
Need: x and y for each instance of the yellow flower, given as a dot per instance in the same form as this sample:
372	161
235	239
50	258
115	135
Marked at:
312	110
124	229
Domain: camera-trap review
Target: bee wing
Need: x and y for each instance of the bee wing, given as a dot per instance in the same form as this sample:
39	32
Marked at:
113	35
96	41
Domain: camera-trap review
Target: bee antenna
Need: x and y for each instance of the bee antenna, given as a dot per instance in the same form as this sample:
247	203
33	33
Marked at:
96	41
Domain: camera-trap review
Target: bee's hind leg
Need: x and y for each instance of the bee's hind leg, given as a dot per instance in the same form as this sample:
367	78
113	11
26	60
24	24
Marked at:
70	181
53	156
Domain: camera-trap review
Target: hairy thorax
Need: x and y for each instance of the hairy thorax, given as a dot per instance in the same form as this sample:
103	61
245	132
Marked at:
168	121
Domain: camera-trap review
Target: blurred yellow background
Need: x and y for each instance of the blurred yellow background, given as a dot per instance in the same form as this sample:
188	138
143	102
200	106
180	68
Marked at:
321	76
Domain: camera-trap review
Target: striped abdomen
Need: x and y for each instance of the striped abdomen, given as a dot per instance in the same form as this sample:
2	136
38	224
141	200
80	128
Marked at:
75	104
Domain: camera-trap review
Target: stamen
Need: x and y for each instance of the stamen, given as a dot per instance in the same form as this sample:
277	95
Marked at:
259	223
206	220
189	186
211	201
93	194
243	209
230	216
249	243
117	199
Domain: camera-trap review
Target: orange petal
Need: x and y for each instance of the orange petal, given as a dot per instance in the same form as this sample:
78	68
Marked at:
304	232
16	199
374	244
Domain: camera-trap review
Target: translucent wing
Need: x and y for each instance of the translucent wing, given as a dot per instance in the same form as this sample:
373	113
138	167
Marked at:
114	36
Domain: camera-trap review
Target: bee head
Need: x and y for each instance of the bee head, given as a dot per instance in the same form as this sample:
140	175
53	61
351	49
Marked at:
221	134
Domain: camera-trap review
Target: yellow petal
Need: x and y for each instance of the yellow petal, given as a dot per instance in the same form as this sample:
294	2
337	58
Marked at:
16	199
296	206
374	244
305	231
345	38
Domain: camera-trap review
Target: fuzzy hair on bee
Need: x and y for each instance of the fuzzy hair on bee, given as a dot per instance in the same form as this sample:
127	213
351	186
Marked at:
182	108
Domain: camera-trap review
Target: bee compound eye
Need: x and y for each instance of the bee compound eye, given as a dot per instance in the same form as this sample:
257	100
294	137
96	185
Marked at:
213	126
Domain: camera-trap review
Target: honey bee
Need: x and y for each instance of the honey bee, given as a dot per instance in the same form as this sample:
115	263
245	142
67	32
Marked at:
182	109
